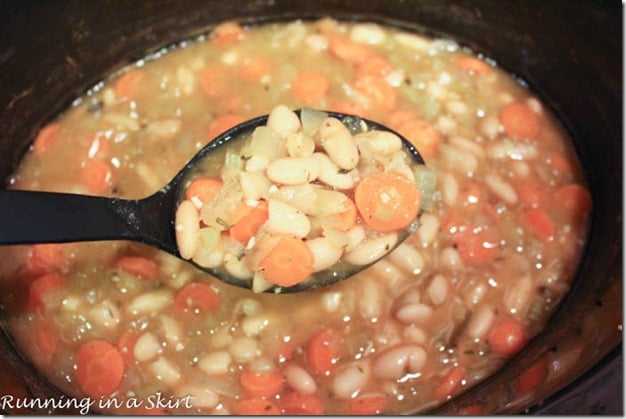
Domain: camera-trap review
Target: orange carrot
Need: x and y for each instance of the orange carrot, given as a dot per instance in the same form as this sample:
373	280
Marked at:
203	189
223	123
507	338
347	50
421	134
126	86
196	297
213	81
374	65
560	164
323	350
347	219
45	138
45	258
538	223
367	405
46	340
99	368
574	199
450	383
261	385
472	65
227	33
532	193
249	407
387	201
298	404
139	266
476	247
285	352
532	377
41	287
519	121
248	225
288	263
125	346
96	176
309	87
254	68
381	95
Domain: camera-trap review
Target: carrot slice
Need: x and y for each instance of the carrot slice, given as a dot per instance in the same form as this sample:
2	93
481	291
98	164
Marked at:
381	95
560	163
45	258
254	68
203	189
387	201
519	121
126	344
539	223
421	134
96	176
46	340
574	199
309	86
41	287
323	350
532	377
45	138
472	65
261	385
288	263
508	337
366	405
450	383
374	65
249	407
227	33
302	404
347	50
197	297
532	193
99	368
223	123
478	247
347	218
126	86
213	81
248	225
139	266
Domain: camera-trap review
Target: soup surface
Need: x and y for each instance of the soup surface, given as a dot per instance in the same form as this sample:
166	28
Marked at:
139	331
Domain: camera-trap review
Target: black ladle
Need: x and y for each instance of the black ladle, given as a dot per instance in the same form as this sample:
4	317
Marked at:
29	217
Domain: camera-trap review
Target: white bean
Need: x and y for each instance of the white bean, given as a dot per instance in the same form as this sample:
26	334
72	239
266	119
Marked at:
330	173
255	185
286	219
186	225
416	313
449	257
106	314
325	254
337	141
380	145
147	347
151	302
501	188
244	349
350	380
356	235
253	326
395	362
165	370
331	301
437	290
173	332
371	249
299	379
413	41
293	170
236	267
428	228
407	258
198	396
517	298
283	121
215	363
370	300
490	126
300	145
367	33
415	334
450	189
480	322
468	145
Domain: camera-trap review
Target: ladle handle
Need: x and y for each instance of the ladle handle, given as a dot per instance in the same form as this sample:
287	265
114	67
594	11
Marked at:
46	217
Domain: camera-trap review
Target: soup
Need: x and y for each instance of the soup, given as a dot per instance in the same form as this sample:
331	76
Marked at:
139	331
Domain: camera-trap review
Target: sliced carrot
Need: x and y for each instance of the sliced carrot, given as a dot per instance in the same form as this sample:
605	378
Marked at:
46	340
348	107
508	337
347	218
560	164
99	368
347	50
450	383
197	297
223	123
539	223
43	286
519	121
45	258
285	351
574	199
421	134
298	404
381	95
472	65
126	345
45	138
254	68
248	225
139	266
387	201
213	81
288	263
532	193
126	86
374	65
203	189
476	247
400	116
367	405
532	377
309	87
249	407
261	385
227	33
323	350
96	176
